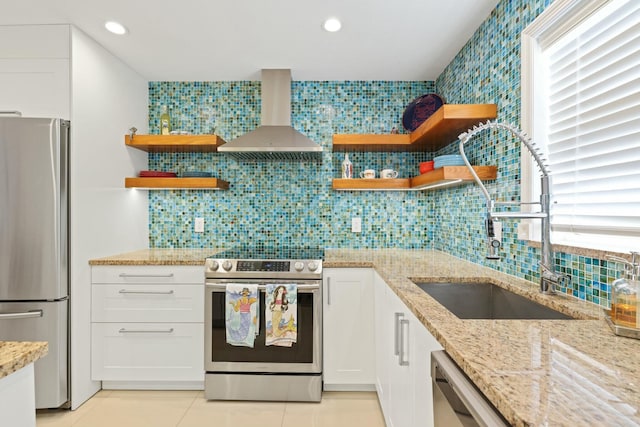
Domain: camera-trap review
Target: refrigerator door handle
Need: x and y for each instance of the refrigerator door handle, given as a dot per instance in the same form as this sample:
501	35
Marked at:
22	315
11	113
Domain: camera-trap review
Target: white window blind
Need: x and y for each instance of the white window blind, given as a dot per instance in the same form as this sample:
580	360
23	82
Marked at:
592	92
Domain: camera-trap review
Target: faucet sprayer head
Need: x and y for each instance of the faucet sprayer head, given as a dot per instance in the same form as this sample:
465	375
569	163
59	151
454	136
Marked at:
494	243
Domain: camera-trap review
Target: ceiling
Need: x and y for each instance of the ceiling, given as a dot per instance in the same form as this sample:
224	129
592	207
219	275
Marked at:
209	40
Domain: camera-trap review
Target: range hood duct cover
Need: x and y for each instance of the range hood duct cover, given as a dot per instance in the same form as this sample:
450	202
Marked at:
275	139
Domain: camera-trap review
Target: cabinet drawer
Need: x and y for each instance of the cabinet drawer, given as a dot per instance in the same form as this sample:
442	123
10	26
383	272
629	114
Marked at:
147	352
148	274
147	303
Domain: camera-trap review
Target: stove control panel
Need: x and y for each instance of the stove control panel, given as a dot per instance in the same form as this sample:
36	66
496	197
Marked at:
262	268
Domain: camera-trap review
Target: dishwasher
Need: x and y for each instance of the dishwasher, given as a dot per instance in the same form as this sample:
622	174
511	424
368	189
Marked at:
456	400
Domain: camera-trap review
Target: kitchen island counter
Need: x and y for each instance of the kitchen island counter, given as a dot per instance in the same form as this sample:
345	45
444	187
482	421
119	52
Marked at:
15	355
17	381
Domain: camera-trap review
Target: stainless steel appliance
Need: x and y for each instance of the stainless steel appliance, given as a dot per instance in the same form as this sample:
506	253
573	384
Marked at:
265	372
456	400
34	250
275	138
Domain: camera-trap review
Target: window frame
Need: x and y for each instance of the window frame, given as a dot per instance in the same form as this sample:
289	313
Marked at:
556	20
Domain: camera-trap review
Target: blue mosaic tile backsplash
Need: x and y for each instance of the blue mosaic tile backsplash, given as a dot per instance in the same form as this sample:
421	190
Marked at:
487	70
287	203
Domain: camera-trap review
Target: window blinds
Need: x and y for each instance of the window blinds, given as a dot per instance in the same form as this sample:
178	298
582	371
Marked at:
593	119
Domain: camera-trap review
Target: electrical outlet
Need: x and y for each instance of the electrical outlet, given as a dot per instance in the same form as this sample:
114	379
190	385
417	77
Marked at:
524	230
356	225
198	226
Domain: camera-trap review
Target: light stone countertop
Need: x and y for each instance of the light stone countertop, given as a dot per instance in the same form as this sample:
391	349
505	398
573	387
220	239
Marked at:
15	355
159	257
536	372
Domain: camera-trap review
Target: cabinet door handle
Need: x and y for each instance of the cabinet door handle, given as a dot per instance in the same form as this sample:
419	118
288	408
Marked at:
396	334
328	290
11	113
403	338
125	291
145	331
127	275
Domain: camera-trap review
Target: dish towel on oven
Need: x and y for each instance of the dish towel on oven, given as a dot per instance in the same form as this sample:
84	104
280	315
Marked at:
241	314
281	314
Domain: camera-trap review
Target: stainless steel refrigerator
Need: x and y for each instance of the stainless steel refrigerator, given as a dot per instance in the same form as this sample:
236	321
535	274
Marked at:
34	246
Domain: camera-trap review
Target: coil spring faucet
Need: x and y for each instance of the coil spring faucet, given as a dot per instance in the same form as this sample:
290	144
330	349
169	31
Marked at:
549	278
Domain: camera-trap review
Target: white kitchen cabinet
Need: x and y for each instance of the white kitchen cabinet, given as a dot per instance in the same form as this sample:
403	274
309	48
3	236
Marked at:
403	361
36	71
147	303
148	352
348	329
384	342
422	344
147	326
18	398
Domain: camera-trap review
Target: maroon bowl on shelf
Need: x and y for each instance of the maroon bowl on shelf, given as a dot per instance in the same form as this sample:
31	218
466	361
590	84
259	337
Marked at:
426	166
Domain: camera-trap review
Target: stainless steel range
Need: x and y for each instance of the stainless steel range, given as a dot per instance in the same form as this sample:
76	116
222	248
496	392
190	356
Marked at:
264	372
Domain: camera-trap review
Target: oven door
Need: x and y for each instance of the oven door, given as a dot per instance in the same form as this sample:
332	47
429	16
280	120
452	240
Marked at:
304	356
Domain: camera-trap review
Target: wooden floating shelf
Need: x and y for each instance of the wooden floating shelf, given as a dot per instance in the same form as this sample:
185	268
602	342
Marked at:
372	184
453	173
174	143
439	130
447	176
372	142
176	183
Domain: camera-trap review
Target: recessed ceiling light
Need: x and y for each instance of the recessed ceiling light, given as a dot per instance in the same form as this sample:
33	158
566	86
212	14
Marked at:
332	25
115	27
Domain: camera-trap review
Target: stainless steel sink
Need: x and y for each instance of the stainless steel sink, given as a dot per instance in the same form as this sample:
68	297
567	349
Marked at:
487	301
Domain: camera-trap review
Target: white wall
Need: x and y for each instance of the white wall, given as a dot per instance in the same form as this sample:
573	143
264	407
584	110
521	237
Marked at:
107	98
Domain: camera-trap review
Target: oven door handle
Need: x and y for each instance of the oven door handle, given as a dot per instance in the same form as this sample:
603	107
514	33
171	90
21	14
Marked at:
223	286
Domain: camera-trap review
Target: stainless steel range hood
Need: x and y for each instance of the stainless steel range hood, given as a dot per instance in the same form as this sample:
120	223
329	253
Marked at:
275	139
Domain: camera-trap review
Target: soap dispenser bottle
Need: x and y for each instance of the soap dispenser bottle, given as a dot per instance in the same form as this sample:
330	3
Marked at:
165	121
347	167
625	301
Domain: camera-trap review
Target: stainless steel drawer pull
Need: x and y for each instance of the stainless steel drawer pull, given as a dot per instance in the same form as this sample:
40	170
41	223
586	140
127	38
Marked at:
397	332
125	275
125	291
403	340
145	331
23	315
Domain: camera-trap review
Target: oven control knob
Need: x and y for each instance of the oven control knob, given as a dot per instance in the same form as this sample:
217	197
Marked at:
227	265
213	265
312	266
299	266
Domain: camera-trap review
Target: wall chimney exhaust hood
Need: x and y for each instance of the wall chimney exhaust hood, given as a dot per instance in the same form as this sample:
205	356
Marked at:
275	139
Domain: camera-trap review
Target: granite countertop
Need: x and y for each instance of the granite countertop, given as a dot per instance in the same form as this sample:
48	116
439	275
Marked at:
159	257
15	355
536	372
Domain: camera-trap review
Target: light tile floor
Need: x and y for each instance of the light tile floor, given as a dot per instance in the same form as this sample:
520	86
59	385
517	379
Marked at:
124	408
